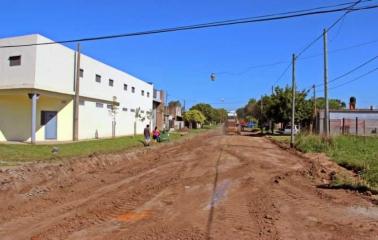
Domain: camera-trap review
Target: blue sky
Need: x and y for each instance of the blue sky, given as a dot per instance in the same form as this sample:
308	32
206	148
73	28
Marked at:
181	62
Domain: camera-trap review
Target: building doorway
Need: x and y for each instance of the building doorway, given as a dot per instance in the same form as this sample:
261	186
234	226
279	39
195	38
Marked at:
50	121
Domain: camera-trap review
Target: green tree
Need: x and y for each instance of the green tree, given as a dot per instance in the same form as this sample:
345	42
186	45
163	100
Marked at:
334	104
194	116
207	110
222	115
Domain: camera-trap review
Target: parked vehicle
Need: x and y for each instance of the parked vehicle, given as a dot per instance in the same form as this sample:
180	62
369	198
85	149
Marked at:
287	130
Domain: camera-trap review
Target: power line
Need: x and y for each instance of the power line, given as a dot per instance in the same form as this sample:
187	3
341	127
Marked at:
352	80
349	9
272	64
301	13
351	71
342	49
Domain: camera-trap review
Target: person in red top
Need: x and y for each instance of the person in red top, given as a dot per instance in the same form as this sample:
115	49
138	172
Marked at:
156	134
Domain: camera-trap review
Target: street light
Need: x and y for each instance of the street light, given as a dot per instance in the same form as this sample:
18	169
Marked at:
212	77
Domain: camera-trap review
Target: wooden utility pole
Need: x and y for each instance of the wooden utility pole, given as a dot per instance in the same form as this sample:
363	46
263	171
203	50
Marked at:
261	115
326	110
77	96
292	139
314	114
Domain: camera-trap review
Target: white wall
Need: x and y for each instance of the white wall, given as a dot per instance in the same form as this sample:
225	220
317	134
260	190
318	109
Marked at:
52	68
18	76
55	67
89	88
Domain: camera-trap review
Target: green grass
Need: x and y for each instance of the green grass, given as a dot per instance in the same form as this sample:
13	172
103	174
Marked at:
14	154
356	153
283	139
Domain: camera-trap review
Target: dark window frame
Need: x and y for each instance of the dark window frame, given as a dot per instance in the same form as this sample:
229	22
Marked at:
111	82
98	78
15	61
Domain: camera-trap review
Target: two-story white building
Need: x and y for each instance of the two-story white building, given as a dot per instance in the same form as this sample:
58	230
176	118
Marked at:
37	94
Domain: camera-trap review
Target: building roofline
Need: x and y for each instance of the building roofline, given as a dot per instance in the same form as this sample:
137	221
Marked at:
40	39
352	111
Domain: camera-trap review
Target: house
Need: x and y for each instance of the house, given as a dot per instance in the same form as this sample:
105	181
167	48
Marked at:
349	121
38	89
158	109
174	119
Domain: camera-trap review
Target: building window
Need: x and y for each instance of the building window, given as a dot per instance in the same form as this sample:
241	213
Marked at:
109	106
148	94
125	87
111	82
82	102
142	92
99	105
81	72
133	89
98	78
141	111
124	109
14	61
132	110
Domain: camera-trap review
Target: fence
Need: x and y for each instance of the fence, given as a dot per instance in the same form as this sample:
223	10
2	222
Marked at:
355	126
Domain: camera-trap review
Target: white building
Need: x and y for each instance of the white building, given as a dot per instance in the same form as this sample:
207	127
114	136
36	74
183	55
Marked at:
37	91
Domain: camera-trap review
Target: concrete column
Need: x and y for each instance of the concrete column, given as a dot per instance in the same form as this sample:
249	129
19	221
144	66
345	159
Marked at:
34	97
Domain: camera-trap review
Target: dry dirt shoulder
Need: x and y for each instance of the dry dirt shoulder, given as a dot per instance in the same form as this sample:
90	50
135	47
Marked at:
209	187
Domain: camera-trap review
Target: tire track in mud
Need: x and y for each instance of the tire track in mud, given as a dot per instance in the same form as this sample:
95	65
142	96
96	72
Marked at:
254	190
137	195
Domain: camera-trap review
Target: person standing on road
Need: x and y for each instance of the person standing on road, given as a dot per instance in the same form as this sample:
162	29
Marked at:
156	134
147	135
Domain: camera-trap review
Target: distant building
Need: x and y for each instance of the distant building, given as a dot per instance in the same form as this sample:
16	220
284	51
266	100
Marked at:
37	88
158	109
174	118
356	122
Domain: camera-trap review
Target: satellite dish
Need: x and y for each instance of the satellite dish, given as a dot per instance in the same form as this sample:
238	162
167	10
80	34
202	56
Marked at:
212	77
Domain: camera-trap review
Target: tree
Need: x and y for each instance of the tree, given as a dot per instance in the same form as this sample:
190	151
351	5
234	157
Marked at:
334	104
221	115
113	112
194	116
207	110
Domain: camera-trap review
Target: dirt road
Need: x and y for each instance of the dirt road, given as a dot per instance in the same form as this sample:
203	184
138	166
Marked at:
210	187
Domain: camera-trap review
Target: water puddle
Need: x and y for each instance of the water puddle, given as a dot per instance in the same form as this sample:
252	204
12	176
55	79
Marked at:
370	212
219	193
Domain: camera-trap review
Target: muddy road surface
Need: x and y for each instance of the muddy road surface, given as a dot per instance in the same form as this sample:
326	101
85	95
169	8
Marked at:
209	187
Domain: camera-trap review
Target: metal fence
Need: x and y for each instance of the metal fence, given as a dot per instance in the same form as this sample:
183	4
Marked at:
355	126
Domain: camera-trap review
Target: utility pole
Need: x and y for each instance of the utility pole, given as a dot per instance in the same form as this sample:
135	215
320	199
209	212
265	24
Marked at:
261	115
292	139
314	114
77	96
326	110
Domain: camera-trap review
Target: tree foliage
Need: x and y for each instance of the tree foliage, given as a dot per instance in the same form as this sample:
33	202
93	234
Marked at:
276	108
194	116
212	115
